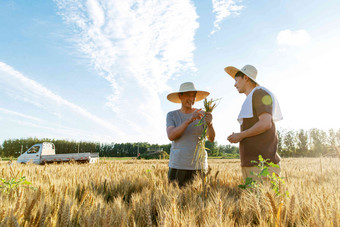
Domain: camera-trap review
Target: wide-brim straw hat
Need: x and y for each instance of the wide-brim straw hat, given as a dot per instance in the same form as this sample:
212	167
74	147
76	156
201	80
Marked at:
187	87
248	70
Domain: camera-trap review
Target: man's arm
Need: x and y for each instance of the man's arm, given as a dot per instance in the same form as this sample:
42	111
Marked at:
264	124
176	132
210	129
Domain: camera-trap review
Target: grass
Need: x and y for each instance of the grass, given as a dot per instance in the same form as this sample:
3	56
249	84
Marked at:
137	193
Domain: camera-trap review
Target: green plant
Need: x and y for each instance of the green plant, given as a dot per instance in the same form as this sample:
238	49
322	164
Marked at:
249	183
15	181
9	185
264	175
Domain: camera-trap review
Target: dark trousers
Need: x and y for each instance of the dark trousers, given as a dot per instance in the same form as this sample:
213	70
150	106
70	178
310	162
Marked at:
182	176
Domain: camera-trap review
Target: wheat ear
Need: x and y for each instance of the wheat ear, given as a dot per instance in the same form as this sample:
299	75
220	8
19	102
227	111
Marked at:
18	203
291	209
272	203
43	216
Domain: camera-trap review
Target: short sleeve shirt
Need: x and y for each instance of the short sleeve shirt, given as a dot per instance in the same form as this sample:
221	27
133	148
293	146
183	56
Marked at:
183	149
264	144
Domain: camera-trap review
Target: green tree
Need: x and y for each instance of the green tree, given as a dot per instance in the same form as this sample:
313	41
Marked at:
228	149
302	143
289	142
212	148
333	143
318	142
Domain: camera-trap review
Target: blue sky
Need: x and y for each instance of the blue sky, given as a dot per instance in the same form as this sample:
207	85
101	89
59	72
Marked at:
100	70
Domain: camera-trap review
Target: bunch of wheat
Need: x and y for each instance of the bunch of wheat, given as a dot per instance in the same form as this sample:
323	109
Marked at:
199	155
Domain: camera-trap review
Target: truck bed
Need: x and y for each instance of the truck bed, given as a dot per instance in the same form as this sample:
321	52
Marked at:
79	157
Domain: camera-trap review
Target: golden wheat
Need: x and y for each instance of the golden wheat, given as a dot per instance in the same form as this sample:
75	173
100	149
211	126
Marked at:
137	193
291	209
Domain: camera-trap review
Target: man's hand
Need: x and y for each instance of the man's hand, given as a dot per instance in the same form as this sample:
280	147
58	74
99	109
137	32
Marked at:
176	132
208	118
264	124
196	115
235	138
210	129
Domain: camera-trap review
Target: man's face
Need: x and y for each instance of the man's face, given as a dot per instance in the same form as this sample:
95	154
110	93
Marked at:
188	98
240	84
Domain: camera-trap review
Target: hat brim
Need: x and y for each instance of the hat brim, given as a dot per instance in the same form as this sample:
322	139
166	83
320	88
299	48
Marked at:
200	95
231	70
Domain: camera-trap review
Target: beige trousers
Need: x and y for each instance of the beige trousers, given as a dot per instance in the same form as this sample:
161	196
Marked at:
246	171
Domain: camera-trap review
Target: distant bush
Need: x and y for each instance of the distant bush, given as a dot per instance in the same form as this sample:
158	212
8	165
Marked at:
154	155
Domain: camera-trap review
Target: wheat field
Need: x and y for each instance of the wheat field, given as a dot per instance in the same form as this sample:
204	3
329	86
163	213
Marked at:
137	193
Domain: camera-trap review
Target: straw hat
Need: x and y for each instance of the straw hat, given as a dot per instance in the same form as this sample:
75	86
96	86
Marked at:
186	87
248	70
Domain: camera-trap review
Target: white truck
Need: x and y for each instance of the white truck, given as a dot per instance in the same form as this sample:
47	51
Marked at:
42	153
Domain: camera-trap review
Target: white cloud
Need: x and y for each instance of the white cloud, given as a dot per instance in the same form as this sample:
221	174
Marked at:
16	114
22	88
137	46
223	9
43	129
293	38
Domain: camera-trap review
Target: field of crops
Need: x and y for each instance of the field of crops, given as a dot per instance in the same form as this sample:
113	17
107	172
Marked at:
137	193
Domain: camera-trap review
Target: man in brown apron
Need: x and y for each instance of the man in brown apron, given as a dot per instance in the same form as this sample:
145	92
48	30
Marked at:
259	112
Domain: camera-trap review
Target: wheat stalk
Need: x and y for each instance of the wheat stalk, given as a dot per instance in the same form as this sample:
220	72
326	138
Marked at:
98	215
336	219
28	209
107	220
199	154
18	203
278	215
257	208
43	216
65	216
37	218
291	209
272	203
60	212
148	216
15	222
219	211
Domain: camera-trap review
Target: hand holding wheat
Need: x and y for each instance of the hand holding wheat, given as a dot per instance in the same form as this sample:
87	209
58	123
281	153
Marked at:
199	155
196	115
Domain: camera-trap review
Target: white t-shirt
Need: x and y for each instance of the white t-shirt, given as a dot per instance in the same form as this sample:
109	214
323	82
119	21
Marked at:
183	149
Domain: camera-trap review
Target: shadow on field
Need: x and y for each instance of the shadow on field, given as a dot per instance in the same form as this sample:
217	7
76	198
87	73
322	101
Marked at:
125	188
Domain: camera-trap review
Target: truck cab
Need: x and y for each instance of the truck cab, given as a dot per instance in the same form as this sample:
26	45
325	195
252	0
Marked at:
34	153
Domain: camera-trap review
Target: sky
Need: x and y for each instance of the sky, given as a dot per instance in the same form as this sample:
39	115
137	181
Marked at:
100	70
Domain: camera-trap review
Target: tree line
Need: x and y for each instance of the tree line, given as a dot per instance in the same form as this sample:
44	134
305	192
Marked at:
309	143
292	143
14	147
